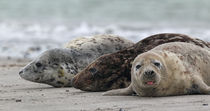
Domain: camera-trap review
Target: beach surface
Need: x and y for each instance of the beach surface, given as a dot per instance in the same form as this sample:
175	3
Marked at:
21	95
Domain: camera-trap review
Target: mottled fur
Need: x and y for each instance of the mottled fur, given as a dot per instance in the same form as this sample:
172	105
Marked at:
112	71
57	67
181	69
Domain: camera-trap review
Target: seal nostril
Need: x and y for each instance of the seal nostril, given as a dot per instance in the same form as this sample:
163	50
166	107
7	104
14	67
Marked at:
149	73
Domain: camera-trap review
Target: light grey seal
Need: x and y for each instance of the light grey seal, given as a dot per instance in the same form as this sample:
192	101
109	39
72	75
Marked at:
57	67
169	69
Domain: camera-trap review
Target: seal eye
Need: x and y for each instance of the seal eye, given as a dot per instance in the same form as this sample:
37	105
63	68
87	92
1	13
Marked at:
38	64
138	66
93	70
55	65
157	64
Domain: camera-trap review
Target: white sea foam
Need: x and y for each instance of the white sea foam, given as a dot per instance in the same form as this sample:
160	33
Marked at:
30	39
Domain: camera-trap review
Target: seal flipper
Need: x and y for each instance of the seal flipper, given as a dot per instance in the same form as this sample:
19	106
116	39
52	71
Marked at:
120	92
202	86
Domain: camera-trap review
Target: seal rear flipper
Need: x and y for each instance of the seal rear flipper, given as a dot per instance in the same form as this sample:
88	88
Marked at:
120	92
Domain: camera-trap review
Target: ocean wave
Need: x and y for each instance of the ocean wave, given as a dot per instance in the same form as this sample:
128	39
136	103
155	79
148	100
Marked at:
28	40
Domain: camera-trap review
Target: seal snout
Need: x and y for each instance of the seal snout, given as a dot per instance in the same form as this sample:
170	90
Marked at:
149	77
21	72
149	74
76	83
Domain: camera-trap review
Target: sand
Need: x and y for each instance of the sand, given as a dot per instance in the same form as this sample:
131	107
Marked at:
17	94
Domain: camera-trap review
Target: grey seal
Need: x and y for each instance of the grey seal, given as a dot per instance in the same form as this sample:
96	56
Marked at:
57	67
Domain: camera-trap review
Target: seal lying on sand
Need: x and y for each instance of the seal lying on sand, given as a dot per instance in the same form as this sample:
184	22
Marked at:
169	69
57	67
112	71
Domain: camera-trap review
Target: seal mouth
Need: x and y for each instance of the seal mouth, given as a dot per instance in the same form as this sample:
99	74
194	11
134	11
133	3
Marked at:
149	83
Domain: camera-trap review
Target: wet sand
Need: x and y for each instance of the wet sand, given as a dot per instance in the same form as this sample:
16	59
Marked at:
17	94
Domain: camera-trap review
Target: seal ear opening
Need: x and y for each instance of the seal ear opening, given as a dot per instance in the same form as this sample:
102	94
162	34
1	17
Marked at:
38	64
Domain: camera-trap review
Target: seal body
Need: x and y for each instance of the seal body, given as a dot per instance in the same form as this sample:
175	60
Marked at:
112	71
170	69
57	67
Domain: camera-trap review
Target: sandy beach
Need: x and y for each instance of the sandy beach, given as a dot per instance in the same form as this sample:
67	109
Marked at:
21	95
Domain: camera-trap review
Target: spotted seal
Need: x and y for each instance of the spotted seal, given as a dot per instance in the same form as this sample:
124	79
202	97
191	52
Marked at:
57	67
168	70
112	71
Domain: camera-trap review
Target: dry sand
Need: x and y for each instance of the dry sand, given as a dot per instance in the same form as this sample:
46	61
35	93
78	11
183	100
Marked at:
17	94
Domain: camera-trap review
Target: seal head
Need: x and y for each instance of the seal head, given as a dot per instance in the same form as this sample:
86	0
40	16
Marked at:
93	78
54	67
148	72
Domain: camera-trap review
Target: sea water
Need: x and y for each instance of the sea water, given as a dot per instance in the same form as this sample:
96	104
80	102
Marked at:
29	27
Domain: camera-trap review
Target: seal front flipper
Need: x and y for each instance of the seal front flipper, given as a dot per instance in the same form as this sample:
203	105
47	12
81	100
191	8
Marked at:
203	88
120	92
